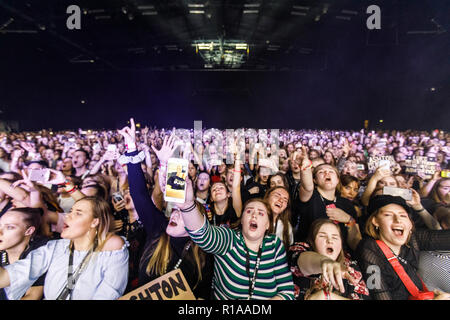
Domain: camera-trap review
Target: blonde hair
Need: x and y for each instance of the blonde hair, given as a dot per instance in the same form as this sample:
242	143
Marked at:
162	254
101	211
160	258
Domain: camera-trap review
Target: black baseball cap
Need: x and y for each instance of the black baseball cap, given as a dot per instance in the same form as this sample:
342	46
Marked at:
380	201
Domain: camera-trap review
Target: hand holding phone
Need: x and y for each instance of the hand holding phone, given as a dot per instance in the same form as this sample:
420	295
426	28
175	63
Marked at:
39	175
175	190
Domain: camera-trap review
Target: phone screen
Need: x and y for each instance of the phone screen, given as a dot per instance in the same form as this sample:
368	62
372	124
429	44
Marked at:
40	175
177	171
398	192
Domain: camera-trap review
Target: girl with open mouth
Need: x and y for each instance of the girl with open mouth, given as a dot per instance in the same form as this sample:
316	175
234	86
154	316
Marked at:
250	261
88	263
321	268
167	245
392	238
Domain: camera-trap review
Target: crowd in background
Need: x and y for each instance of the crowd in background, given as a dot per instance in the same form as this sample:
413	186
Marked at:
304	216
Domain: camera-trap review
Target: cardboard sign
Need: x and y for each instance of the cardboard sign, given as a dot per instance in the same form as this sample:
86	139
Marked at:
171	286
374	161
423	165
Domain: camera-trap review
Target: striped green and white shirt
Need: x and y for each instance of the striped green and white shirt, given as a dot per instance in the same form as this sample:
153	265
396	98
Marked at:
231	281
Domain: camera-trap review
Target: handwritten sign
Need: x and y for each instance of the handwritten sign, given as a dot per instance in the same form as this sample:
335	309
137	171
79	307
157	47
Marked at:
420	165
171	286
375	160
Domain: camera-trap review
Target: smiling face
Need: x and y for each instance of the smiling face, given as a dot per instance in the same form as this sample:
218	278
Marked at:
394	225
278	201
219	192
13	230
328	241
79	221
255	221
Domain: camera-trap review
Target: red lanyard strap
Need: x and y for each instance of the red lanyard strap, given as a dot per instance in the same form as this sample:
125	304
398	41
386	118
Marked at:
409	284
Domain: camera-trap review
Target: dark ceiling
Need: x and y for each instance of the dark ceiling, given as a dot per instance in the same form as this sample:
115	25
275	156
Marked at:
319	45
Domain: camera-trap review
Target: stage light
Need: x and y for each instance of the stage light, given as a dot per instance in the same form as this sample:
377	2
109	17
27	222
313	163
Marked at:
381	121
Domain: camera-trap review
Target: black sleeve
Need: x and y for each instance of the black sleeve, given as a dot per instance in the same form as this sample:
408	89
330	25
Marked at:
154	221
431	240
368	255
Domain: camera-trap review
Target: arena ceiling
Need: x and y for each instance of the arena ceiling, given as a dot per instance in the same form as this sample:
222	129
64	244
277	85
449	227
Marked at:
213	60
180	35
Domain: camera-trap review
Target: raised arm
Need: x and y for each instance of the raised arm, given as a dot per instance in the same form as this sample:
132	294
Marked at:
192	217
306	188
152	219
236	188
17	194
426	188
379	174
429	220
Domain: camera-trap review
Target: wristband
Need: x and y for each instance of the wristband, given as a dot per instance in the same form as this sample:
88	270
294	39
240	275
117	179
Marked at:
130	146
65	183
72	190
308	166
124	159
350	223
194	205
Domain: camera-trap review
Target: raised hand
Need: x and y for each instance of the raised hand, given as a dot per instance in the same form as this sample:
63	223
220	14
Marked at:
24	182
167	148
56	177
129	134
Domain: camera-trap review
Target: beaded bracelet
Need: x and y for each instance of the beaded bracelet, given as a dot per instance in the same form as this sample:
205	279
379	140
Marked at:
308	166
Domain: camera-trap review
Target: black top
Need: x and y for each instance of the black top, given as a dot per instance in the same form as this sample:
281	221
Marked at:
228	218
294	196
369	254
155	224
315	208
246	195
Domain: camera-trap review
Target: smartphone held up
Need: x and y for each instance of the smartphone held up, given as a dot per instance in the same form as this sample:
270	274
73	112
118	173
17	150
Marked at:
398	192
177	170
